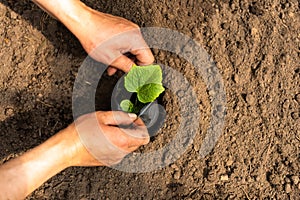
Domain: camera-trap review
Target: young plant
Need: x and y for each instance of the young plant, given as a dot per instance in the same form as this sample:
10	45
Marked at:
146	83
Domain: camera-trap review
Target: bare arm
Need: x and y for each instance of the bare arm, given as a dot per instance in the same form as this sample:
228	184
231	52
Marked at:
21	176
94	28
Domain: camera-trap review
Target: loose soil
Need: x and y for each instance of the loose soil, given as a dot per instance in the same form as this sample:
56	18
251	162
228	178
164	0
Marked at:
256	47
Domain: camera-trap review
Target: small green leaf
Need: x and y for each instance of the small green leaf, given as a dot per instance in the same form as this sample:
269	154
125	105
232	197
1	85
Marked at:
146	81
126	105
139	76
149	92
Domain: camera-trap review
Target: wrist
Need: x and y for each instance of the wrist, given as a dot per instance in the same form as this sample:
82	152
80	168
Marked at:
69	12
60	148
70	146
75	15
74	151
72	13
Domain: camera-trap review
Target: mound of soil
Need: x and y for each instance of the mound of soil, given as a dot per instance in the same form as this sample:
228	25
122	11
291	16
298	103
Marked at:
256	47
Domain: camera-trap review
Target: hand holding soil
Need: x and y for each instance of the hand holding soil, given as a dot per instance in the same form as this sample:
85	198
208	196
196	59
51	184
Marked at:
95	31
101	135
24	174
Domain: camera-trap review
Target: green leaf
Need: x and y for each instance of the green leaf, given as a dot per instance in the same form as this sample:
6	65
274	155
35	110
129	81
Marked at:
146	81
127	105
139	76
148	93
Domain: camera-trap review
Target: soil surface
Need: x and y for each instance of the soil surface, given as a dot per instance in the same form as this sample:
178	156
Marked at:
256	47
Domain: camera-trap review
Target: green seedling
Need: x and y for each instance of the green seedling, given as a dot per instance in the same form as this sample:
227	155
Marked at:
146	83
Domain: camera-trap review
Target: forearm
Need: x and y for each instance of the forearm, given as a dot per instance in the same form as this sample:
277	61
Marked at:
70	12
21	176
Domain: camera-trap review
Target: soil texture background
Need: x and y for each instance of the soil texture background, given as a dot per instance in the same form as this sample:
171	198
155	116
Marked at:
256	47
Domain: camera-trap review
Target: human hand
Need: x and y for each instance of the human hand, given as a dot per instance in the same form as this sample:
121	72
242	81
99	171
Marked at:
91	136
106	38
98	141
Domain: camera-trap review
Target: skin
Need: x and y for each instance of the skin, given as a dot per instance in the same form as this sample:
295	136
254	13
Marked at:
93	28
21	176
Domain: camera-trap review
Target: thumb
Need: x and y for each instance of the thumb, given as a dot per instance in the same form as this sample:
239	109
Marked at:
116	118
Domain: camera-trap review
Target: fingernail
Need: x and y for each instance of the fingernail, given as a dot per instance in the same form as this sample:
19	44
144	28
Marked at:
132	116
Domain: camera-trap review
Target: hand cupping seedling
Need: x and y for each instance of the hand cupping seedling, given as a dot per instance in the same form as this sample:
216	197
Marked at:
146	82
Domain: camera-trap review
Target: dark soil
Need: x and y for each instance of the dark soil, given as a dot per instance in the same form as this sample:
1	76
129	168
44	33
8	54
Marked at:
256	47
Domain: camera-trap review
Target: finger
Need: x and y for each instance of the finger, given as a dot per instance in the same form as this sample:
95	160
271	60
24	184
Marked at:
124	141
141	51
144	56
116	118
138	130
111	71
137	137
123	63
139	122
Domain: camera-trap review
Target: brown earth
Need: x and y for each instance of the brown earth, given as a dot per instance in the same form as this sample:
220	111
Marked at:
256	46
